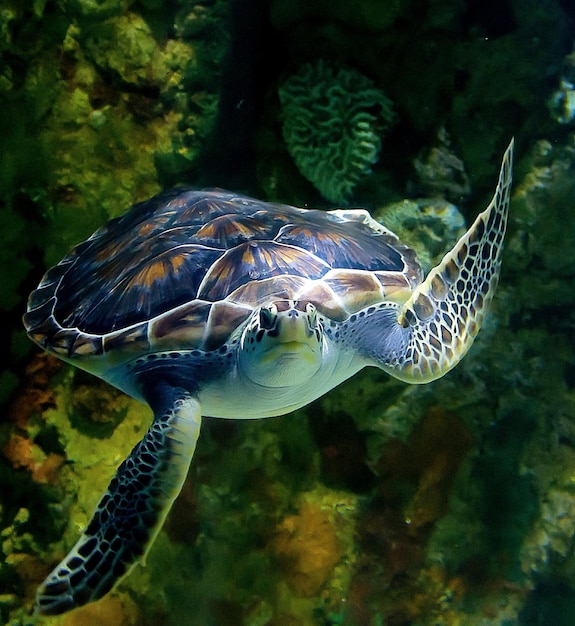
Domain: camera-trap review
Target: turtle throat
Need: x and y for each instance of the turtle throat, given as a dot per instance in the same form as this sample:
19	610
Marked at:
282	344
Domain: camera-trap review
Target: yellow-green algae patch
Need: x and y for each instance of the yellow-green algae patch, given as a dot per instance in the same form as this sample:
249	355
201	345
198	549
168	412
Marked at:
91	463
315	551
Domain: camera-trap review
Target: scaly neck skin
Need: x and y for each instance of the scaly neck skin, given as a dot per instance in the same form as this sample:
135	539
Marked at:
246	398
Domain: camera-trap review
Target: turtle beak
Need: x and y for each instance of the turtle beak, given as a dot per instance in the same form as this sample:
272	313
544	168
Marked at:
292	329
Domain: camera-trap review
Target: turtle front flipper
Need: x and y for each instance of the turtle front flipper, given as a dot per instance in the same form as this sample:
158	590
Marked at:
444	314
133	509
427	336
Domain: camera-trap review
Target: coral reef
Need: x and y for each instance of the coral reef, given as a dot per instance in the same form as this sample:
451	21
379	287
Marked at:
441	173
562	102
333	120
21	452
78	472
427	225
307	548
451	503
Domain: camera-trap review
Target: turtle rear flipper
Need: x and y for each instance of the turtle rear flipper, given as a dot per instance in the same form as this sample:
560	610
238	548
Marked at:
132	511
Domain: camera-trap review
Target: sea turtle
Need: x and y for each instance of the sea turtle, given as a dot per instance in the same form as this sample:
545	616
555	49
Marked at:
211	303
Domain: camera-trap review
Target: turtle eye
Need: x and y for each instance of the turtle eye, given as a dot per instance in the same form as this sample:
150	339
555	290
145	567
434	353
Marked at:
267	317
311	313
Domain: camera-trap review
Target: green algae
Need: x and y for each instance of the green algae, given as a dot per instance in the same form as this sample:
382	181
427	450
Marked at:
91	143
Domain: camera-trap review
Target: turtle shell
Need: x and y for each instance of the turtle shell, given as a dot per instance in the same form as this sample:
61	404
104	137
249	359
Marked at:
184	269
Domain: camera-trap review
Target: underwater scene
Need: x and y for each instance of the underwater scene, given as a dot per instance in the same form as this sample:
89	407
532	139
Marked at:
380	503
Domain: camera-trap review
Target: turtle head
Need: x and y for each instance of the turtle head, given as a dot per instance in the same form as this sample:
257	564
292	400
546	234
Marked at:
282	344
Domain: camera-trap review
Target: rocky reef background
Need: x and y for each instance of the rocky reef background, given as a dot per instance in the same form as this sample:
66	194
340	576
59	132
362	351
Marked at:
451	503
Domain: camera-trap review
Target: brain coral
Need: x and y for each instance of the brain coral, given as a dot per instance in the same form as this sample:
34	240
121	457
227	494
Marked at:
333	118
